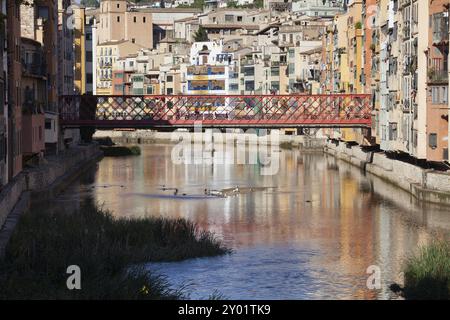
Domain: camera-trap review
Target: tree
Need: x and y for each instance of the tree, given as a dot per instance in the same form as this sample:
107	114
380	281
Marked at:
90	3
232	4
201	34
258	3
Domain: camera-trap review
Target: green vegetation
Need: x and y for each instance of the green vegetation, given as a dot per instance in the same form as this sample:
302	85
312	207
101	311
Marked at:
201	34
358	25
90	3
256	4
289	145
120	151
427	275
199	4
107	250
106	141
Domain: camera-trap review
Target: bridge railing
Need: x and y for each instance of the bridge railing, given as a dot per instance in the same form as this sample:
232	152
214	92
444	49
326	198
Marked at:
184	110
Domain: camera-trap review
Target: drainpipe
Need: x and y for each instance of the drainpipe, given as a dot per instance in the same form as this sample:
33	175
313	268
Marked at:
94	57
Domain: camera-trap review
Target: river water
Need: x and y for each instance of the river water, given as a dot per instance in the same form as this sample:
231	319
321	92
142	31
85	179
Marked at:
311	232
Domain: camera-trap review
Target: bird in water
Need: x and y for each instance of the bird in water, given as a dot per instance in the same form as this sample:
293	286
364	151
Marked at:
175	192
216	193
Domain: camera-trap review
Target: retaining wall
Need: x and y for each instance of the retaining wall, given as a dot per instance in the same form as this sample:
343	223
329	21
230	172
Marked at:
149	137
47	178
426	185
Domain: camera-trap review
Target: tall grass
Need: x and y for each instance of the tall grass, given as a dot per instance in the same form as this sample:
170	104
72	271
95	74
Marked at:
107	250
427	275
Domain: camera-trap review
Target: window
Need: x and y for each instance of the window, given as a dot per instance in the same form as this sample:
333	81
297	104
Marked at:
275	71
229	18
118	6
169	79
143	19
439	95
239	18
118	19
133	40
249	85
48	124
392	131
249	71
432	140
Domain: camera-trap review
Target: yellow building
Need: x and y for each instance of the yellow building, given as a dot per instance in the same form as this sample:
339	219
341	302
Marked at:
350	45
79	40
107	54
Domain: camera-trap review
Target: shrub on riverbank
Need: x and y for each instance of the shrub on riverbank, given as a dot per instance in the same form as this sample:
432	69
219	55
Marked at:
120	151
44	244
104	141
427	275
288	145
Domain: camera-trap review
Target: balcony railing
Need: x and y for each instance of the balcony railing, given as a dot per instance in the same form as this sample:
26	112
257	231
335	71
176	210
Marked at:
35	69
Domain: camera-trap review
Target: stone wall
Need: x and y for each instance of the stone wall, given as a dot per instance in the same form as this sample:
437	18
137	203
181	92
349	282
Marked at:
43	178
426	185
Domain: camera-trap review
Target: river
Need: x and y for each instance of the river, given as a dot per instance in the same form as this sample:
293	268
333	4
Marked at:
310	232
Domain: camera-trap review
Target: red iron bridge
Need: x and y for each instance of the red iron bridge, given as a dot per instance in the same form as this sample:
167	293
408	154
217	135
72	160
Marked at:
216	111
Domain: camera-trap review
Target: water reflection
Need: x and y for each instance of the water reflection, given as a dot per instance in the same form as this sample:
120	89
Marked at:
311	233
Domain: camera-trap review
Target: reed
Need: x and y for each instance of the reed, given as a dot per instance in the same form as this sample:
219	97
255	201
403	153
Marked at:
110	253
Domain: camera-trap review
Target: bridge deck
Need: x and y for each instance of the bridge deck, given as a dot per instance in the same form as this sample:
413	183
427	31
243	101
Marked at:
218	111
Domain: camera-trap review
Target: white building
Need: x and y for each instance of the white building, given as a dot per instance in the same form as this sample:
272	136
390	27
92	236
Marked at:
318	8
208	70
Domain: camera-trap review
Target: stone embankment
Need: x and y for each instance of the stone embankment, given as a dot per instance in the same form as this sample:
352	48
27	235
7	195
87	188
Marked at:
424	184
151	137
41	183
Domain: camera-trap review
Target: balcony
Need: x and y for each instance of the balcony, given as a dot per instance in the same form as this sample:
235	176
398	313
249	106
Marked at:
437	76
247	62
35	68
33	63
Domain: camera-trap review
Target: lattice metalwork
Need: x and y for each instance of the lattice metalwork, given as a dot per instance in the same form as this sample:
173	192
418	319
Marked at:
216	110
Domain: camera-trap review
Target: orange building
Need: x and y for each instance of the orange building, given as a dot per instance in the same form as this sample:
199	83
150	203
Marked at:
437	82
14	91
